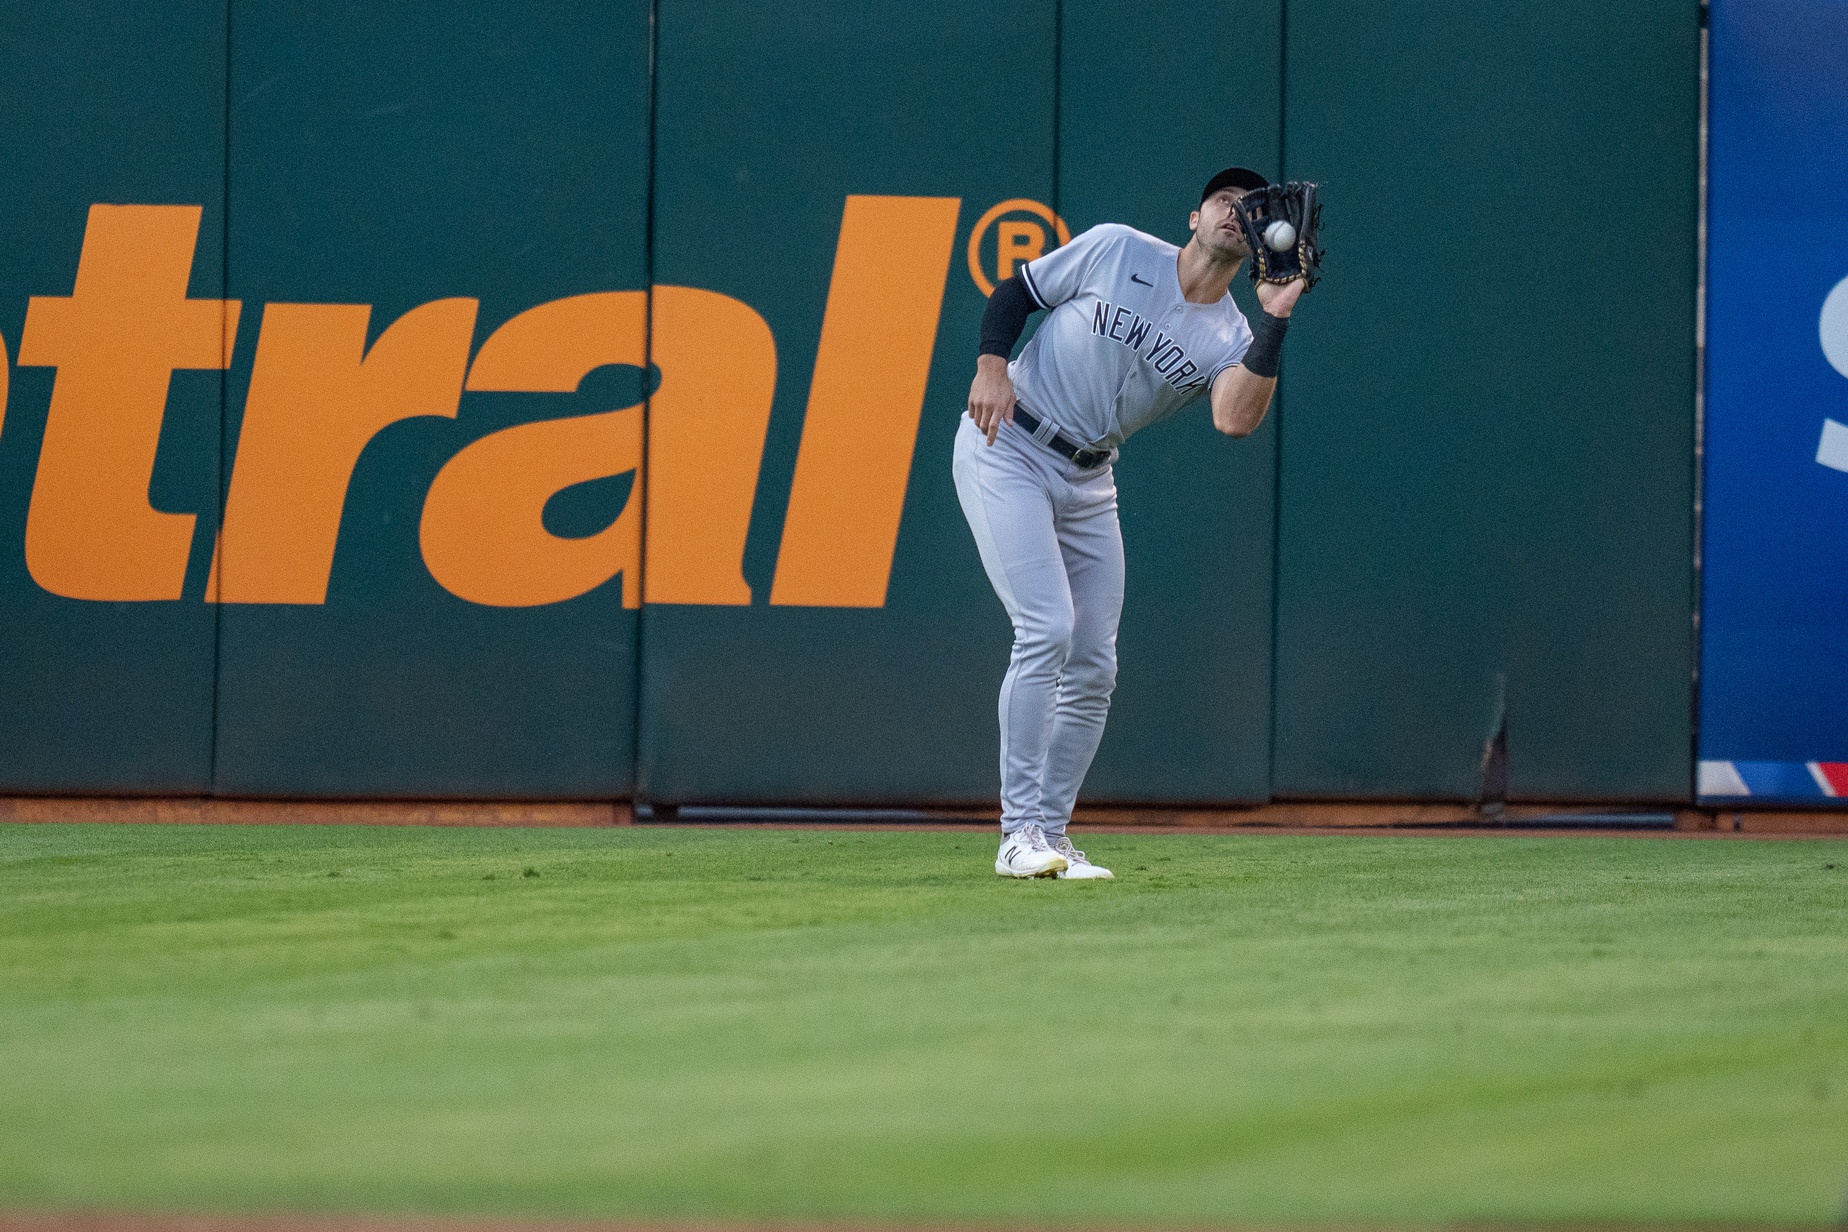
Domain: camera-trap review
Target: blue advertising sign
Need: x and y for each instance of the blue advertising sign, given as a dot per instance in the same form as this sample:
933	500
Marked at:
1774	644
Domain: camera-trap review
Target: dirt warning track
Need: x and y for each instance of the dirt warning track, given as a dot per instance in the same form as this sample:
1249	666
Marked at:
1281	818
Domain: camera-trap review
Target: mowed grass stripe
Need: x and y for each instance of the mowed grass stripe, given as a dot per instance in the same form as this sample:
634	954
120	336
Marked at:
668	1023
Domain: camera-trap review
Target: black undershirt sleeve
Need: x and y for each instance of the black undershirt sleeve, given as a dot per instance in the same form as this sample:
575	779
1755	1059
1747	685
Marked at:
1006	316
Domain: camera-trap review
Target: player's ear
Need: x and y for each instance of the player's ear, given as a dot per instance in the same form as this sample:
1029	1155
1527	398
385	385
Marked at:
1193	221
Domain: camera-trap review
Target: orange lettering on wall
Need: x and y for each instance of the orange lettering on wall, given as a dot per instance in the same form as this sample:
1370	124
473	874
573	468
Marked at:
865	401
317	395
482	531
706	428
91	532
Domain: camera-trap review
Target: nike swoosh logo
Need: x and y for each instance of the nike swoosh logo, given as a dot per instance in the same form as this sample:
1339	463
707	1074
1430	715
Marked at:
1145	282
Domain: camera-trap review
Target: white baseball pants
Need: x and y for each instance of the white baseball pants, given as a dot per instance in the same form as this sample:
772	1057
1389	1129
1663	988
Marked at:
1047	531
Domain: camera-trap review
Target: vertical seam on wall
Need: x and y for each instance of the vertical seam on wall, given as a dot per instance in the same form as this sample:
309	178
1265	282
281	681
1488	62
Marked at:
1700	401
1058	89
220	483
1283	112
641	485
1283	83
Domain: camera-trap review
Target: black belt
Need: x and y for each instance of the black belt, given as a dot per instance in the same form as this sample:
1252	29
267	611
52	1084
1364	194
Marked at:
1084	458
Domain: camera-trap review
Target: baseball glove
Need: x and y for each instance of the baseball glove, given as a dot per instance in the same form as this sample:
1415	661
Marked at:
1260	212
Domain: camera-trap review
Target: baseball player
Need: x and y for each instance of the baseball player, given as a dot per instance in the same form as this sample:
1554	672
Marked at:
1137	329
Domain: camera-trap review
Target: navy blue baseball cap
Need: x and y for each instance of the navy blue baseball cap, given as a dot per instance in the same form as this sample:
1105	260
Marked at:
1233	177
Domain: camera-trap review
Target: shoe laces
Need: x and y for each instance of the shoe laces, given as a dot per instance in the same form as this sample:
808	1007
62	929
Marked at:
1064	847
1033	836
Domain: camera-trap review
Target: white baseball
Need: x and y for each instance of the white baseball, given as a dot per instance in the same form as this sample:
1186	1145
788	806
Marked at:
1833	327
1279	236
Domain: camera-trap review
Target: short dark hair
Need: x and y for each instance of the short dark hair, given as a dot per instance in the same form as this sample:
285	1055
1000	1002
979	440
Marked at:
1233	177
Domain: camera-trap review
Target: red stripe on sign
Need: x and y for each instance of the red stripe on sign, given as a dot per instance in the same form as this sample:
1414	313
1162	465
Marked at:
1836	772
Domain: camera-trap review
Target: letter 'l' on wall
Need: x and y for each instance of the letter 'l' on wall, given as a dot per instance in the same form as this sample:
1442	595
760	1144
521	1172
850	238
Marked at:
706	429
865	401
91	532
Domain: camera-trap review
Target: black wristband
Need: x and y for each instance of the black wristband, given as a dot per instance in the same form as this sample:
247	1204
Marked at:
1266	346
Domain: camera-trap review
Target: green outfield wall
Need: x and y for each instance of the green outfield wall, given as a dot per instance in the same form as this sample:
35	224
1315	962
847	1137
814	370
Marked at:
1487	475
555	402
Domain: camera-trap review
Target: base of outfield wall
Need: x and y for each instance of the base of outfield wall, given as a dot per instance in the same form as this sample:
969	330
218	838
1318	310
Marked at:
210	811
1298	816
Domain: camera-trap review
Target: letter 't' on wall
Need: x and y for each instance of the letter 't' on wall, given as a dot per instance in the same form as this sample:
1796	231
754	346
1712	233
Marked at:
865	401
317	396
91	532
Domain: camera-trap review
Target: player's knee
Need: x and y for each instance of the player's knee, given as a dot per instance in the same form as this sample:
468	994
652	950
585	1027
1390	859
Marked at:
1048	633
1092	674
1058	634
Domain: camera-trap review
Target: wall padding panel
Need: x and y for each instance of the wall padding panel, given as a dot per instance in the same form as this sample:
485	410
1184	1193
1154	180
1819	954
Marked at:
452	623
113	195
1487	440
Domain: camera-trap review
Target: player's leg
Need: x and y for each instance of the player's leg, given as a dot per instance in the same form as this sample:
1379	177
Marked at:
1006	494
1091	544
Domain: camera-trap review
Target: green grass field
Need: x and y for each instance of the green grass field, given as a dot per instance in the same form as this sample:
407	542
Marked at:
782	1025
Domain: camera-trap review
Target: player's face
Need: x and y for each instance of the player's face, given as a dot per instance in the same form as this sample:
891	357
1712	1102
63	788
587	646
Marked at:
1215	225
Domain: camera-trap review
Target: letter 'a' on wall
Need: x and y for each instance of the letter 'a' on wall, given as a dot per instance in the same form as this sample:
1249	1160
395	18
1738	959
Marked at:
406	183
819	122
1488	521
1774	592
483	527
483	531
111	291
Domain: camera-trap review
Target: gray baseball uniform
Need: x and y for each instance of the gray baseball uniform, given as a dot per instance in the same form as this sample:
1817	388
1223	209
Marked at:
1121	349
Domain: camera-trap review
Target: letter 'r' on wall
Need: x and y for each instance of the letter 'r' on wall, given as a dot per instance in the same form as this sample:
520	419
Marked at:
483	533
865	401
317	396
91	532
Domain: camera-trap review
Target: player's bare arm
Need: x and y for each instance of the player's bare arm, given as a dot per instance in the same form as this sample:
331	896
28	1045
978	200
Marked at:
1240	399
1240	396
991	397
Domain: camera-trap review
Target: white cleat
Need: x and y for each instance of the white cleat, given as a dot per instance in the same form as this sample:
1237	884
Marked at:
1077	868
1025	853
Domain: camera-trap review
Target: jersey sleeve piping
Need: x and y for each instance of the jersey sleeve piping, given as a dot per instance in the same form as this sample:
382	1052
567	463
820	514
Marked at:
1025	270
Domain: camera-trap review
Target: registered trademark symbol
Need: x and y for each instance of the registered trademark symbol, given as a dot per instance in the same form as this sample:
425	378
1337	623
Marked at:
1024	229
